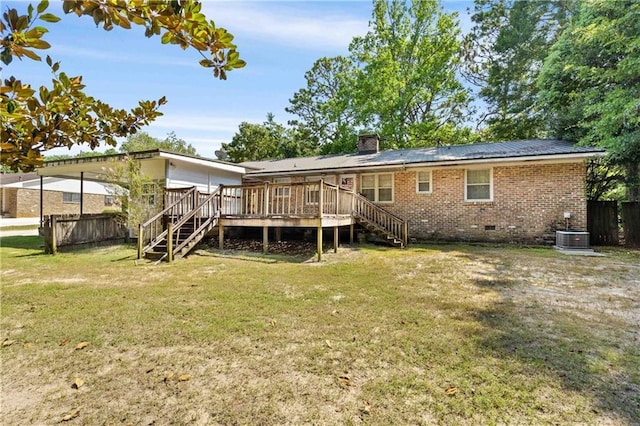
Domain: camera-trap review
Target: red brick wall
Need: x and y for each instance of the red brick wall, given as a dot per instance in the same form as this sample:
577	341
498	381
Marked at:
528	204
22	202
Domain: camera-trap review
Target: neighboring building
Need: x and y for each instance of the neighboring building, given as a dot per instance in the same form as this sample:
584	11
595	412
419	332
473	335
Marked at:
507	191
21	196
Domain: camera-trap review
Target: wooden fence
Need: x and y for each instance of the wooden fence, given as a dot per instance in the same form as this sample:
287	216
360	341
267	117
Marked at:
602	222
631	223
74	230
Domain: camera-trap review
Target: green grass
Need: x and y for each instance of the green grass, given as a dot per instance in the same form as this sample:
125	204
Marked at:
371	335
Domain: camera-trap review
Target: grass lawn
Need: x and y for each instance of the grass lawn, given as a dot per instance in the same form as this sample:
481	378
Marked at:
434	334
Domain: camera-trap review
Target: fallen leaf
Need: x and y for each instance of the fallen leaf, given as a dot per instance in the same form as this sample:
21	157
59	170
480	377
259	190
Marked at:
328	344
451	390
77	383
82	345
63	342
345	381
184	377
8	342
273	323
150	369
168	376
27	345
71	415
366	408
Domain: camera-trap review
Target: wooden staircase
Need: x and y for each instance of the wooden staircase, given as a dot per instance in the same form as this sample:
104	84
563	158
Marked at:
391	228
179	227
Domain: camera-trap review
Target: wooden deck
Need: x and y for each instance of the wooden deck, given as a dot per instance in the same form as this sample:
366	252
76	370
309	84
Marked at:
306	205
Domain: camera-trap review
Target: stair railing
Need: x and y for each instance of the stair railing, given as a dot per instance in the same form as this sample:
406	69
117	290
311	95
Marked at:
381	218
202	215
154	230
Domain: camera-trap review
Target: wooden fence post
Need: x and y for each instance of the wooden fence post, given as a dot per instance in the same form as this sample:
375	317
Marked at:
140	240
170	242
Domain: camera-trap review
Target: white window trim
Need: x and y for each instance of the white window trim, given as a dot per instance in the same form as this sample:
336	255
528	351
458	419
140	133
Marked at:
490	199
430	182
376	189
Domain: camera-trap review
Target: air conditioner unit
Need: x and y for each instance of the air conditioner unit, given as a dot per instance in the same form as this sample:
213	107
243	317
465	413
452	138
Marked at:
572	240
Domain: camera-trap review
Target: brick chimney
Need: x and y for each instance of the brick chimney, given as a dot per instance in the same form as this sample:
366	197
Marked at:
368	144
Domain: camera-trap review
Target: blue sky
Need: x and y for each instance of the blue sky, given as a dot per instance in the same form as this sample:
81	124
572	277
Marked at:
278	40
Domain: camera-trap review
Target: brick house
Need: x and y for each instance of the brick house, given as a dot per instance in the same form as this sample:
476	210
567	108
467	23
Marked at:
21	196
518	191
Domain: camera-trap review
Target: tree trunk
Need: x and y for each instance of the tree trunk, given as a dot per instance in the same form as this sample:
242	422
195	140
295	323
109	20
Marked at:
633	181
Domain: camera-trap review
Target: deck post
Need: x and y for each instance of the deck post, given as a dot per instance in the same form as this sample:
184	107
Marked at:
265	210
278	233
336	236
319	242
351	230
170	242
320	199
140	240
265	239
220	235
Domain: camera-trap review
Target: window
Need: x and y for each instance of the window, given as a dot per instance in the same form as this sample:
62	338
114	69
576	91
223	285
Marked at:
378	187
149	193
282	191
478	185
312	190
312	187
423	182
70	197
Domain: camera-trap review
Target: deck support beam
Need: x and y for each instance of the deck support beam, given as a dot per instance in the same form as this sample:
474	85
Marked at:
336	236
220	235
319	242
265	239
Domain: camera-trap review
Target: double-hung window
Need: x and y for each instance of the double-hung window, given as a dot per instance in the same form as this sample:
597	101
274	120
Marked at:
377	187
478	185
423	182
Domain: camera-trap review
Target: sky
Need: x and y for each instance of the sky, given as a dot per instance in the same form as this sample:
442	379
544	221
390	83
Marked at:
280	41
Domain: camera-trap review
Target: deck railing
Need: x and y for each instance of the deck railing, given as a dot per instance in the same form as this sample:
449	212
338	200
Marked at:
302	199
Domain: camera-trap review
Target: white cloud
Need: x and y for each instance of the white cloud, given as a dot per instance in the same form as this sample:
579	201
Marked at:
286	25
118	56
201	123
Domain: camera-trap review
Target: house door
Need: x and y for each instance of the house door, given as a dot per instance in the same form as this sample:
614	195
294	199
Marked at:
348	182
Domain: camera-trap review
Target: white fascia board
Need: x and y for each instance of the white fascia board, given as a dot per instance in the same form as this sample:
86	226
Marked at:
203	162
507	161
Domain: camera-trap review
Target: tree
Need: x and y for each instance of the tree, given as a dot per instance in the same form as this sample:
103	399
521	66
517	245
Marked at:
326	106
399	81
144	142
256	141
504	53
407	85
269	140
590	83
34	121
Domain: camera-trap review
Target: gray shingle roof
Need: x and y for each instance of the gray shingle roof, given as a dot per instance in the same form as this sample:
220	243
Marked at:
432	155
